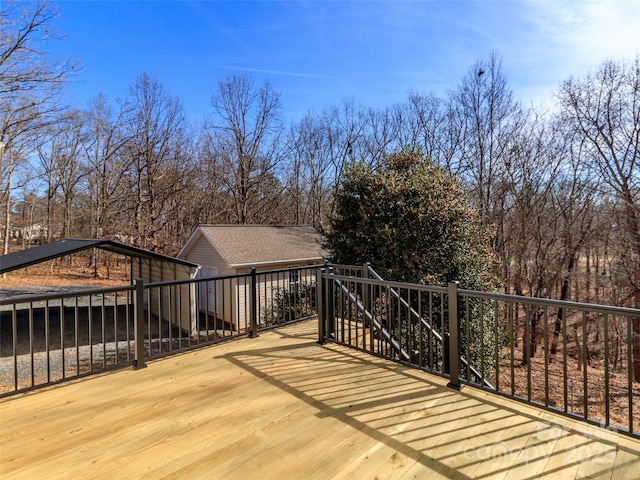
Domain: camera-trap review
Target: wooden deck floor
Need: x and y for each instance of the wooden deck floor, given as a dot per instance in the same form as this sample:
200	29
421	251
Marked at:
282	407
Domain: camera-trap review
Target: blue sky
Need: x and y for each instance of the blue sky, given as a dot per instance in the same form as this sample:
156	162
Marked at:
318	53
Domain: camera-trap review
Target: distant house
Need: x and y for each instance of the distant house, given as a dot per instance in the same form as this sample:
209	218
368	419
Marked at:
34	233
222	250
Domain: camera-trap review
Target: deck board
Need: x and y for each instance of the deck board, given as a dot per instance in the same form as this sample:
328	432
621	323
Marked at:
280	406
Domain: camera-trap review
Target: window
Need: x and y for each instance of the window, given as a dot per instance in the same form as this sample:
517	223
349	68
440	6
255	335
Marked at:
294	276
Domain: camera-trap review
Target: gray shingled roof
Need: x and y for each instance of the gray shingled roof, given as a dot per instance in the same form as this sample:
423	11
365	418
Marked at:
258	244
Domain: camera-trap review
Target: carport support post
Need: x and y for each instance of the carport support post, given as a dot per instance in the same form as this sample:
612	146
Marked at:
138	324
454	337
254	311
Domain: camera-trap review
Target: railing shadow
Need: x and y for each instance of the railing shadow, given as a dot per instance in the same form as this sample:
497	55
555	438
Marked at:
456	434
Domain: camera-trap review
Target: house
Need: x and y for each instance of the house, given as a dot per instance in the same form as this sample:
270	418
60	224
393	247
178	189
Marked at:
223	250
33	233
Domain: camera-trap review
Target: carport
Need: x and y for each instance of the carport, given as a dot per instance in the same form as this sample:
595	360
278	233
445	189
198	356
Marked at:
149	266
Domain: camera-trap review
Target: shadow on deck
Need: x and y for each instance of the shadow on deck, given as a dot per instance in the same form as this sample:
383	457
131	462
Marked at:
280	406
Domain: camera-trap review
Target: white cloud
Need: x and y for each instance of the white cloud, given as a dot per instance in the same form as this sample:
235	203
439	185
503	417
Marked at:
584	33
272	72
570	37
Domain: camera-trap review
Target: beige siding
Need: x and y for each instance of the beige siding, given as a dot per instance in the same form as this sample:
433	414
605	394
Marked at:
223	304
237	306
170	304
203	253
241	300
232	302
225	301
232	296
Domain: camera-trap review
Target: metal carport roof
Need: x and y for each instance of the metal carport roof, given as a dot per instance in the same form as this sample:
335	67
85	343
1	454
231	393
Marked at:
49	251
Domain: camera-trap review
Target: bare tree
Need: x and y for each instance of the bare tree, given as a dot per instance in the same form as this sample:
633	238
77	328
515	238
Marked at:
422	125
311	179
245	141
490	118
103	148
30	84
380	136
575	199
48	153
604	109
157	156
71	164
214	203
63	170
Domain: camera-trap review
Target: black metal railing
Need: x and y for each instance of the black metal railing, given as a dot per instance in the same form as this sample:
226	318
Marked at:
572	358
49	338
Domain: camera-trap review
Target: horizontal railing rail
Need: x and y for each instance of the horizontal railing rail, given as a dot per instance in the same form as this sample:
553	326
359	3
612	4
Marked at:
569	357
43	297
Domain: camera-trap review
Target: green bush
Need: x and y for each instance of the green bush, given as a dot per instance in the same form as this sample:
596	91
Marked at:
289	304
413	222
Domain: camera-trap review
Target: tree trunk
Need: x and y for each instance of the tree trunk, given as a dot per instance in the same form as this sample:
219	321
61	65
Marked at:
636	340
587	285
7	218
564	293
633	226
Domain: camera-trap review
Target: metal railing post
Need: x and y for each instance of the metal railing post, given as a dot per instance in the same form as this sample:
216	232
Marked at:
365	287
330	304
446	356
366	305
454	337
138	325
253	307
320	304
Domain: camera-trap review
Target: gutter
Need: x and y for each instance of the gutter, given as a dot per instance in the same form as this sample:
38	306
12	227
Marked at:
279	262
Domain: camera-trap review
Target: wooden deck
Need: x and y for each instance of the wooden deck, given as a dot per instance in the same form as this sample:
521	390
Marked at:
280	406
